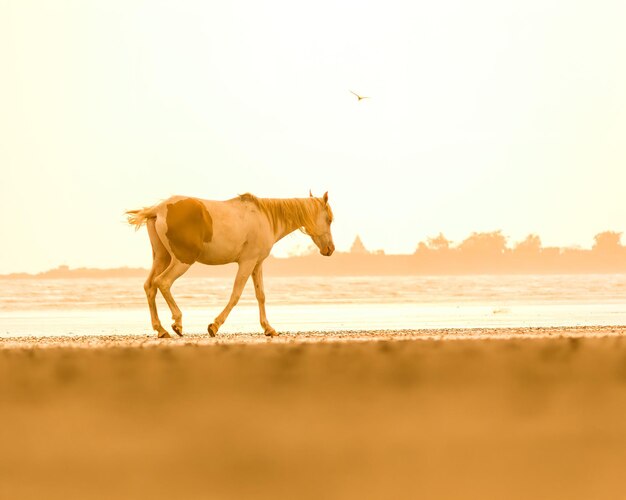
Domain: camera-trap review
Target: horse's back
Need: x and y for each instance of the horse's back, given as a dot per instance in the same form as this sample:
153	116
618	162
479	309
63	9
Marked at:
208	231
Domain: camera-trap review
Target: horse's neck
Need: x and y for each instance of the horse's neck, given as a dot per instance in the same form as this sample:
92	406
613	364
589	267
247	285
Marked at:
283	230
287	226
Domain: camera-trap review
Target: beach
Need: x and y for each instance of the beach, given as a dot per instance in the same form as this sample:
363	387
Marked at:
424	200
448	413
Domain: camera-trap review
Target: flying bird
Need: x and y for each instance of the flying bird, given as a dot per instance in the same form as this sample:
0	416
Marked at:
359	97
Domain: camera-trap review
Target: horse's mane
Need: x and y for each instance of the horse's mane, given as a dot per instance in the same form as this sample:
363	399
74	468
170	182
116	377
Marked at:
302	212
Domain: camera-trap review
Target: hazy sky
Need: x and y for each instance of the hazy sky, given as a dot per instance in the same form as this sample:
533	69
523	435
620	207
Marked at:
484	115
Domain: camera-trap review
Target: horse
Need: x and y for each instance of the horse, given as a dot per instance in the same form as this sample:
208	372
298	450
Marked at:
184	230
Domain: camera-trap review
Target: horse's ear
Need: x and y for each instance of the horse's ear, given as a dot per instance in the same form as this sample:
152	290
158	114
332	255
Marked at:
310	194
325	197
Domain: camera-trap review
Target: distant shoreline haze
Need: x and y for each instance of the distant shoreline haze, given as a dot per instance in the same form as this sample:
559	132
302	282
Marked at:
480	253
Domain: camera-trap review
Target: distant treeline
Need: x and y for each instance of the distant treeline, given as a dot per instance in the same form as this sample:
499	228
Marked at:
480	253
489	253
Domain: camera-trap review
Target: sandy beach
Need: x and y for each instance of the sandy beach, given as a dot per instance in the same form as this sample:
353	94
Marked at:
424	199
510	413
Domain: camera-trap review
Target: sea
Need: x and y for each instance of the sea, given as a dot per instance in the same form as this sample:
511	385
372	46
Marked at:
117	306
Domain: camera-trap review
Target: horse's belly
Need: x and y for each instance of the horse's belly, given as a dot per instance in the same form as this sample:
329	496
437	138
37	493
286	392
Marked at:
233	240
213	256
214	261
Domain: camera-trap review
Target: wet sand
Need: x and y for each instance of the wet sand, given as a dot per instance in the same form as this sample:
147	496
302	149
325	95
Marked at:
501	413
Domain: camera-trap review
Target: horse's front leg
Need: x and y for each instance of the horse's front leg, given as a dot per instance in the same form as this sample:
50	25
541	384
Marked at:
243	273
257	278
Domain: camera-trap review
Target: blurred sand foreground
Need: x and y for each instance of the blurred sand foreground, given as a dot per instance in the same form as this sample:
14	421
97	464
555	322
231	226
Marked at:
346	415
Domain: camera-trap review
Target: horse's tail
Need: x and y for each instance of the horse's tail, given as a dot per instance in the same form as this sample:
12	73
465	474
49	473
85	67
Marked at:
139	217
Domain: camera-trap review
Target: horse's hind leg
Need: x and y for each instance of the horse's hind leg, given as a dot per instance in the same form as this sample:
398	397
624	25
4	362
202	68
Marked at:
160	260
164	282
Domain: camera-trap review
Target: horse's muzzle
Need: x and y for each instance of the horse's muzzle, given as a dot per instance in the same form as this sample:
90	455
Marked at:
328	251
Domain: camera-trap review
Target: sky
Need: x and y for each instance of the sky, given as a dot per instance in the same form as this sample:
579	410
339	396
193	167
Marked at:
483	115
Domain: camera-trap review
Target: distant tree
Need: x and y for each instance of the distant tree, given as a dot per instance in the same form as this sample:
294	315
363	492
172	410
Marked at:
358	246
608	241
439	242
493	243
530	246
302	250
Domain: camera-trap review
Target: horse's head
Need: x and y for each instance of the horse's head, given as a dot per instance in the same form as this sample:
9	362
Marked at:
320	231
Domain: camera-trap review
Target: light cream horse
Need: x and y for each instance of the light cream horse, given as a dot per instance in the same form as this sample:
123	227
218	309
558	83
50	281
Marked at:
185	230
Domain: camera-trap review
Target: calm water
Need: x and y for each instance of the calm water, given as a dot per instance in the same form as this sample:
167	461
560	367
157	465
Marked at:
83	306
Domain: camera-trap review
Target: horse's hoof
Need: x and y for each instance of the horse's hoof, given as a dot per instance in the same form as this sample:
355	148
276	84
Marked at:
270	332
178	329
164	335
212	329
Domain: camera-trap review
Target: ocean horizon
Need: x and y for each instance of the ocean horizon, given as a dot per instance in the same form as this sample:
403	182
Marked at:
50	307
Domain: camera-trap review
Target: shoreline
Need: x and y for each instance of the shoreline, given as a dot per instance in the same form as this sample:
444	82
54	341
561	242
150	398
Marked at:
310	337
